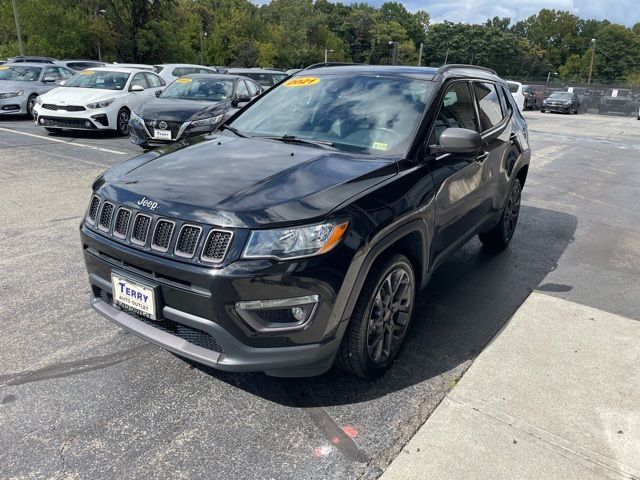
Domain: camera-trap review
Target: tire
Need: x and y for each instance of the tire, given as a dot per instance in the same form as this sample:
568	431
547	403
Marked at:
380	319
542	110
122	121
52	130
500	236
31	102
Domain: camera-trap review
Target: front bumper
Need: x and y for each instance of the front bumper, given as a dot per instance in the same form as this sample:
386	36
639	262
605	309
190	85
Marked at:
557	108
204	298
90	119
13	105
141	134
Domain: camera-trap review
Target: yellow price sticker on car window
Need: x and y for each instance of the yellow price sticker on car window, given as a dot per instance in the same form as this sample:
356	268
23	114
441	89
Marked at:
184	80
87	72
379	146
3	68
301	82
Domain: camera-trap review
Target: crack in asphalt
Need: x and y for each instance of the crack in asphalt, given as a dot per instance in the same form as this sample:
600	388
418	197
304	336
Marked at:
75	367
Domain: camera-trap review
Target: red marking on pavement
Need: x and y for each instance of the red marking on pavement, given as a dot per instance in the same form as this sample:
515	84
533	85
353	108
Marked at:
321	451
350	431
335	440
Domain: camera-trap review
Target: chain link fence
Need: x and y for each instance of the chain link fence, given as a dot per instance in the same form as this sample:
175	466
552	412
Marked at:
597	97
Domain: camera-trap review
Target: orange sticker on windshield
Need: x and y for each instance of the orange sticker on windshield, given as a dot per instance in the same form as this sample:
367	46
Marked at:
184	80
301	82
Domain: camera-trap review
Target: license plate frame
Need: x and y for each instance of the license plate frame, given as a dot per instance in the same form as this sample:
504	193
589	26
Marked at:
134	295
162	134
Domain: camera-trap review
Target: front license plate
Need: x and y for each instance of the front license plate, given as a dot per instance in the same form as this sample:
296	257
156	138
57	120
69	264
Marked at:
162	135
133	295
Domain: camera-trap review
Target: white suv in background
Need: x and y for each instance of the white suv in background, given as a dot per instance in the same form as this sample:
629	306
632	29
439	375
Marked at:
170	71
97	99
516	91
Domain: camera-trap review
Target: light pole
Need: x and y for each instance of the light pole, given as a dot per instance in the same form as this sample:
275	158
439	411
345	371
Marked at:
546	88
326	54
420	55
17	19
100	12
202	35
593	54
394	52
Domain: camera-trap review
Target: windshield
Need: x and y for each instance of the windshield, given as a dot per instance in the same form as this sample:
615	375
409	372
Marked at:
103	80
209	89
563	95
371	112
19	73
264	79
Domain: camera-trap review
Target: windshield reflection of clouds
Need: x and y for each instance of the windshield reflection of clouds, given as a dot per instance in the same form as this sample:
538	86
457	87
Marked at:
378	113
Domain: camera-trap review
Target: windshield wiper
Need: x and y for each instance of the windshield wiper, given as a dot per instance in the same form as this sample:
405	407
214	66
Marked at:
294	139
234	130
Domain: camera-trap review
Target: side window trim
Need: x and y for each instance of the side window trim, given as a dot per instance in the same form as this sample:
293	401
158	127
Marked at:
440	101
498	126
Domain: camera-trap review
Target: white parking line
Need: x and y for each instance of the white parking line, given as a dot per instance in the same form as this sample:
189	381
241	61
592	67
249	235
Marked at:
68	142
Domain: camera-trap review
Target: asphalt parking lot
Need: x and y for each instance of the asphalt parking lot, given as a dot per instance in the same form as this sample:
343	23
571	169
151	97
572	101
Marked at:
80	398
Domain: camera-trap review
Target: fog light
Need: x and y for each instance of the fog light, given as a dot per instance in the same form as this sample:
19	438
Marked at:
42	120
278	315
87	123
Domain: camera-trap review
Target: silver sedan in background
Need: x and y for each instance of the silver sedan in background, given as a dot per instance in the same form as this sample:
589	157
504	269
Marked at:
21	83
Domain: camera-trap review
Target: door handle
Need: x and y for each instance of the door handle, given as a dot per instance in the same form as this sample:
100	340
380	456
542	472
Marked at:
482	157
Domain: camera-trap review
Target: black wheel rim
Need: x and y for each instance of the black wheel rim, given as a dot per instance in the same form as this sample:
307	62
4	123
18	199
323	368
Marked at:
389	315
511	212
123	122
32	103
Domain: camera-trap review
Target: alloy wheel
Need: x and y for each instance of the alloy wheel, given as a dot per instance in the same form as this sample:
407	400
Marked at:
123	122
510	217
389	315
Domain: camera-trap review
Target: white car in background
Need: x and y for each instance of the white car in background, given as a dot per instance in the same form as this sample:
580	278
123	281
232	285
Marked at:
516	91
97	99
170	71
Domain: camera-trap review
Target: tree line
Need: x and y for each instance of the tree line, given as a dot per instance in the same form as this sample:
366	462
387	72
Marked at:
296	33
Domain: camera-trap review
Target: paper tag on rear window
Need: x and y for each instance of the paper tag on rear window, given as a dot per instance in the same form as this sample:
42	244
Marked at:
301	82
614	93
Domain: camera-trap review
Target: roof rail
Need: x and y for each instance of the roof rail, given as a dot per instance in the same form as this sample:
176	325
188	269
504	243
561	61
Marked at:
453	66
330	64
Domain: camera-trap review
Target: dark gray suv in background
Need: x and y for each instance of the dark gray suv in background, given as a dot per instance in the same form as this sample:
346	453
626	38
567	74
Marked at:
299	234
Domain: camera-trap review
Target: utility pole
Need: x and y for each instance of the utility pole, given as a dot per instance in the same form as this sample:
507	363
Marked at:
546	88
17	19
202	35
593	54
446	57
420	55
394	52
100	12
326	55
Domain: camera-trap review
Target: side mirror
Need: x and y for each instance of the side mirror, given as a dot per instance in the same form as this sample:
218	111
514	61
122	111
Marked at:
49	79
137	88
460	140
158	92
244	98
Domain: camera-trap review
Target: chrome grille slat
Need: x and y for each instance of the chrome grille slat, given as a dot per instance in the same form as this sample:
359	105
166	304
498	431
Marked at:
216	246
140	229
188	241
162	235
105	216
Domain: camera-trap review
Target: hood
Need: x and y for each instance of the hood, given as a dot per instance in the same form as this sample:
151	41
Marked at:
13	85
244	182
180	110
79	96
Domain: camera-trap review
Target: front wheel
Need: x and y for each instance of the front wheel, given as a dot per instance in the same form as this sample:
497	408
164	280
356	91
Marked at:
123	122
380	319
31	102
500	236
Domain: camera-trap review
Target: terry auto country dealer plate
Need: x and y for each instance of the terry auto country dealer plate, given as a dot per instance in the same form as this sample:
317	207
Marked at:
162	134
133	295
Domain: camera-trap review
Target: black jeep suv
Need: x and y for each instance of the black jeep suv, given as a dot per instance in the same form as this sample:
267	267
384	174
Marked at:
300	233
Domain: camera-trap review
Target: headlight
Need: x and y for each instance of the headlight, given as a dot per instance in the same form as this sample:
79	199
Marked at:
206	122
101	104
294	242
134	118
17	93
38	100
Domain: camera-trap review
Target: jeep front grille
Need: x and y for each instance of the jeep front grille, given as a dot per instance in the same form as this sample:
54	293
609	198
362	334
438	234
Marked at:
162	235
216	246
122	223
188	240
93	209
141	229
105	216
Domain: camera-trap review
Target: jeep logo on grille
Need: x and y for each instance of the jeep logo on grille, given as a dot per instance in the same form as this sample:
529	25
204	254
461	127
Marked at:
144	202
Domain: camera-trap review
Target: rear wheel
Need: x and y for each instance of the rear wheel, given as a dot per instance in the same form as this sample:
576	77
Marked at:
500	236
123	121
31	102
380	319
